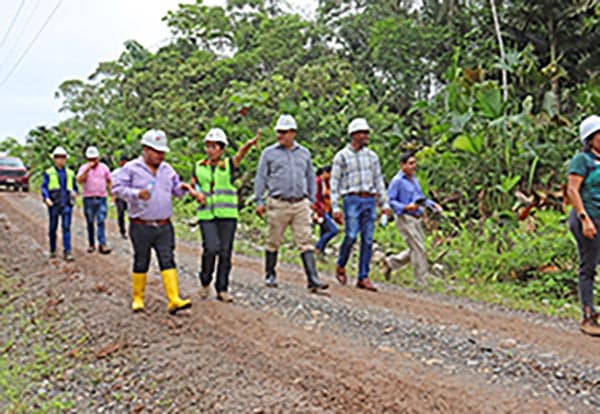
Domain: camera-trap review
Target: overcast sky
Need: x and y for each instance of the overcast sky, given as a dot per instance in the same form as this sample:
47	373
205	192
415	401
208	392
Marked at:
79	35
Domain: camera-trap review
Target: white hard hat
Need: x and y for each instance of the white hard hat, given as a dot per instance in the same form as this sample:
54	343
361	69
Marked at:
216	135
588	126
285	123
59	151
358	124
91	152
155	139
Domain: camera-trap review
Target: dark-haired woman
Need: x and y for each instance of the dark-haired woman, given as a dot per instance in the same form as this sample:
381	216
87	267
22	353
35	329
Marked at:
583	189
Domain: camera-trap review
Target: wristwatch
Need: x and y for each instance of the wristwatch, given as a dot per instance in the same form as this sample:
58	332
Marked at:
582	216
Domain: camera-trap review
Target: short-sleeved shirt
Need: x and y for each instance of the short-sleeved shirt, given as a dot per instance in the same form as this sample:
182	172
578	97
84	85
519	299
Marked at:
587	165
96	180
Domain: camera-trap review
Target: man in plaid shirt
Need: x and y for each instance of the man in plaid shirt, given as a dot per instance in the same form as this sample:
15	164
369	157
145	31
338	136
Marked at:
356	177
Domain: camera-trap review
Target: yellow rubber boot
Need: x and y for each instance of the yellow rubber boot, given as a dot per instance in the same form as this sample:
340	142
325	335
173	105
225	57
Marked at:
169	277
139	285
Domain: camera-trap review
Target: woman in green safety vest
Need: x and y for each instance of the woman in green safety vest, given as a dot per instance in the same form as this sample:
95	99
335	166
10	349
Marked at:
218	211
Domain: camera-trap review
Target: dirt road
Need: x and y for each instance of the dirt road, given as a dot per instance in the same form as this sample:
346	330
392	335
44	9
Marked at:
286	350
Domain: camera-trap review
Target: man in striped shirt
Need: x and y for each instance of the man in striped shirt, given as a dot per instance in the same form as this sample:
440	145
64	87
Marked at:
356	177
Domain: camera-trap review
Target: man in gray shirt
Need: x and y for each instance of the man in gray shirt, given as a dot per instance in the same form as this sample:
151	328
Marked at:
286	172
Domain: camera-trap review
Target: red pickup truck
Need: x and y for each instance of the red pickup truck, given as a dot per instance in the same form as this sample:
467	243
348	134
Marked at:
13	174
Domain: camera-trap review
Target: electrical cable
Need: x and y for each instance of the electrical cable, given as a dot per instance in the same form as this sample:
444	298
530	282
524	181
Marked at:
14	67
12	23
20	35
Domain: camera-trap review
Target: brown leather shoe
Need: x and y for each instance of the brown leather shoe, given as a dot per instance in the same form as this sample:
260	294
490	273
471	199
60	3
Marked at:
589	326
225	297
103	249
204	292
340	274
366	285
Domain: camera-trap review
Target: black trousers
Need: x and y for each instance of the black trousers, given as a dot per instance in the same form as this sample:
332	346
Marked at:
589	257
145	238
217	240
121	209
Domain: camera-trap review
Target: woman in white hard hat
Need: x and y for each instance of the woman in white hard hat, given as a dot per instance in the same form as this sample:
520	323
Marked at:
218	211
583	190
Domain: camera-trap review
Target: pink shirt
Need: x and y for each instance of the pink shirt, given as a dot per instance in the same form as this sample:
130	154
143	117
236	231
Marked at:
95	183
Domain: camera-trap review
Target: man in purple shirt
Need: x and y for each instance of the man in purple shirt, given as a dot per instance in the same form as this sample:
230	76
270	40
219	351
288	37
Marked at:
407	201
94	176
147	184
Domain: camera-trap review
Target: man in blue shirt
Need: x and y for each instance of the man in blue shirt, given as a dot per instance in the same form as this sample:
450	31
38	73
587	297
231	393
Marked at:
407	201
59	189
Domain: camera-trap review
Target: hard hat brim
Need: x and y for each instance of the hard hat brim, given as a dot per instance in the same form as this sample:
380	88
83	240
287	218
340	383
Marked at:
158	148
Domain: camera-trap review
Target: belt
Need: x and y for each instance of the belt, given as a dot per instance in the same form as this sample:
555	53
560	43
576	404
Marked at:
289	199
362	194
418	217
94	197
153	223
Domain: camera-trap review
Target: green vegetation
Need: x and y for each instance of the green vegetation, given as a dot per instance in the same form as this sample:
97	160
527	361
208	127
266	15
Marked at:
429	78
32	357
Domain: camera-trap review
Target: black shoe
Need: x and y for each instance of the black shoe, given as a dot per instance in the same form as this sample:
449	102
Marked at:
52	255
270	263
124	236
310	267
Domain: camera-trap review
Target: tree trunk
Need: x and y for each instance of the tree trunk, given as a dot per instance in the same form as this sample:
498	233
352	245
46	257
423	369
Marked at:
502	55
554	73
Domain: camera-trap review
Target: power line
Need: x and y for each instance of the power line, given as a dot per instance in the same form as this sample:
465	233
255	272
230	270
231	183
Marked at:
10	72
20	35
12	23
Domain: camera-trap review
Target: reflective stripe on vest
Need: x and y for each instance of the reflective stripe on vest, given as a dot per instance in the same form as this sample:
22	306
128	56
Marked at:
221	195
54	180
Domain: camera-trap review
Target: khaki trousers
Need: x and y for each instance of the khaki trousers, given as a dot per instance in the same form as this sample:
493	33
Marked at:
280	215
412	231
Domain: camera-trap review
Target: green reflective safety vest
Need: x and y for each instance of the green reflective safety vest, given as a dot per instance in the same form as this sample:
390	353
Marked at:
221	195
54	183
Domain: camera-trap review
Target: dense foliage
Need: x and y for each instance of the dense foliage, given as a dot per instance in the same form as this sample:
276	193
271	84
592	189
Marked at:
427	75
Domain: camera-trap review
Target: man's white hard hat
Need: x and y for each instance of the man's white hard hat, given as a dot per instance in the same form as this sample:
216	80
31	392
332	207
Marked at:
358	124
91	152
59	151
285	123
155	139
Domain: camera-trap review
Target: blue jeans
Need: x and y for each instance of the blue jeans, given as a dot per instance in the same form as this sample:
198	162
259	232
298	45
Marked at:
94	208
328	232
64	213
359	215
